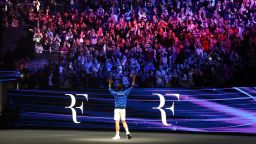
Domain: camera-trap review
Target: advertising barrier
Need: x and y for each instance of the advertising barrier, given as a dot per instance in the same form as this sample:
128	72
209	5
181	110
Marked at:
148	109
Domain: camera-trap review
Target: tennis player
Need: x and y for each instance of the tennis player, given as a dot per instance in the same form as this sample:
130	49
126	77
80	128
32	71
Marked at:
120	97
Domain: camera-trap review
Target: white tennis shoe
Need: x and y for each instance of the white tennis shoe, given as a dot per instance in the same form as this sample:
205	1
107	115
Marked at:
117	137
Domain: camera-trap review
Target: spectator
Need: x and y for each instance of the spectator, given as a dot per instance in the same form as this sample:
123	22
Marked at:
180	44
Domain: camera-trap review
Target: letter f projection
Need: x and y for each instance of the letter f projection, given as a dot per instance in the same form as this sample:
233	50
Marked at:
73	103
162	104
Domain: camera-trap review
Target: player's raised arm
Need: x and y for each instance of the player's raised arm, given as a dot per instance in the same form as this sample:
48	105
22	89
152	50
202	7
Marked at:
127	91
110	81
133	80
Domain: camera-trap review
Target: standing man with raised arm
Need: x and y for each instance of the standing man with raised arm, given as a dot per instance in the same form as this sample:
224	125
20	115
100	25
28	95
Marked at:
120	97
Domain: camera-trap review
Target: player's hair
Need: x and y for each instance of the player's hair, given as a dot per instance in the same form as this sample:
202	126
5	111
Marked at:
120	87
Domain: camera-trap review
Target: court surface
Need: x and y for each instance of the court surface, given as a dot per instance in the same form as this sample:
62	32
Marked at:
105	137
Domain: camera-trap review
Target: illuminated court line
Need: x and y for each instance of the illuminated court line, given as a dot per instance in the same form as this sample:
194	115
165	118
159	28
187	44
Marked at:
2	80
226	99
136	89
235	126
236	88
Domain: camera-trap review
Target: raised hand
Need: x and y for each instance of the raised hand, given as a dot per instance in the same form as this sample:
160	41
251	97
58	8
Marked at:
110	81
133	76
133	79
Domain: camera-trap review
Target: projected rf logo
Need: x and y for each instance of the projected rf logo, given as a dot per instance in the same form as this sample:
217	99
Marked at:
164	110
73	108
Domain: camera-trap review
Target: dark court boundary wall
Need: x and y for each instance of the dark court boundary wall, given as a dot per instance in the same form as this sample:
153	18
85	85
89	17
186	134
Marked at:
208	110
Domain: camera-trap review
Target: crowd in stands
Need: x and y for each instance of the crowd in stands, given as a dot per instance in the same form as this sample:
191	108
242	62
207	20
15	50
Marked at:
166	43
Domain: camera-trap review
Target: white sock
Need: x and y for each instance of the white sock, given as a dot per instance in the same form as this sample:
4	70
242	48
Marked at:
117	133
127	131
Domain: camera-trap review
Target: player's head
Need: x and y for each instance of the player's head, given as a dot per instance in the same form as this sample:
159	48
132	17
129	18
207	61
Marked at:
119	87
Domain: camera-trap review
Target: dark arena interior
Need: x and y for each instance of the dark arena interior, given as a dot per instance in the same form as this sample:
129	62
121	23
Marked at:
128	71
